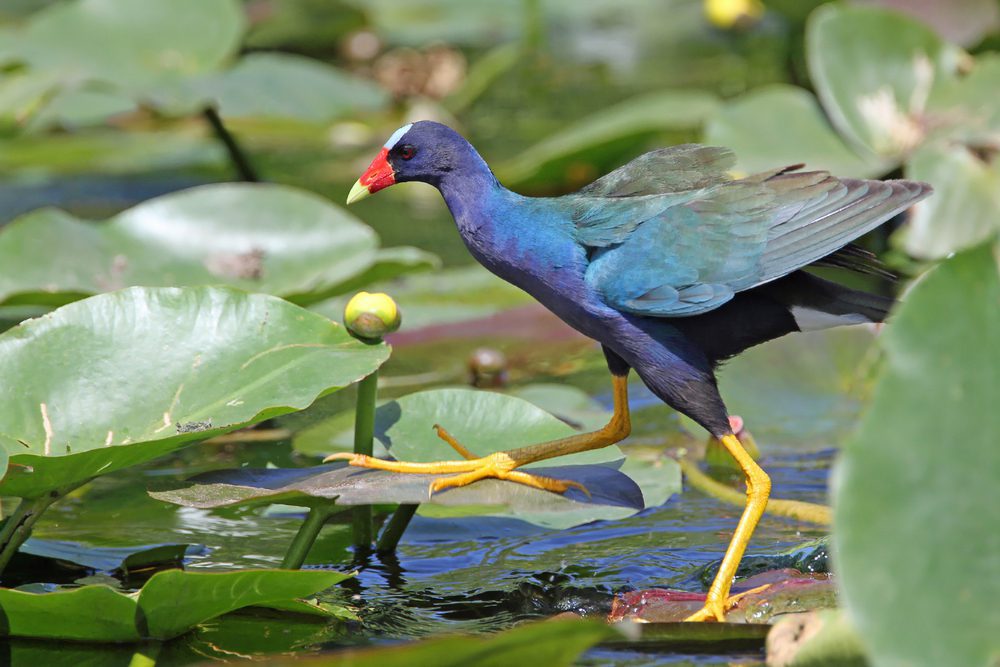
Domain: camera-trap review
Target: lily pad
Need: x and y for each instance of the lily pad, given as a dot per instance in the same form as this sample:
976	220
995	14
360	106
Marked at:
874	71
121	378
170	604
276	85
485	422
554	643
966	207
108	560
266	238
134	44
666	110
915	498
354	486
781	125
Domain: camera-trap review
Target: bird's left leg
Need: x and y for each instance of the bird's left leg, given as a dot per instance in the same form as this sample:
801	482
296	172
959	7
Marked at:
502	465
717	602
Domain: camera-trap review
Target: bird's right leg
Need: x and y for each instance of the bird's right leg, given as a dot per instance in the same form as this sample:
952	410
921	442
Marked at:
502	465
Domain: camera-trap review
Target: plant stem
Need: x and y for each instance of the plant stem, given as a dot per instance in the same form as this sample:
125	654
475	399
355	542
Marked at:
18	527
792	509
364	434
394	530
244	168
145	655
308	531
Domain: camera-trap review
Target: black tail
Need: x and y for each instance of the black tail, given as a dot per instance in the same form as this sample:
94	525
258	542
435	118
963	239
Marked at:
816	303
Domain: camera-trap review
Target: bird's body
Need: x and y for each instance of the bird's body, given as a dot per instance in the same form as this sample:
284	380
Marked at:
593	257
670	263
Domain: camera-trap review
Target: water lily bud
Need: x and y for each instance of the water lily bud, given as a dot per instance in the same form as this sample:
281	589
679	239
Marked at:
371	315
729	14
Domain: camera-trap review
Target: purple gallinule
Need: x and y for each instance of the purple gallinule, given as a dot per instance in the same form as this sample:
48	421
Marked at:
671	264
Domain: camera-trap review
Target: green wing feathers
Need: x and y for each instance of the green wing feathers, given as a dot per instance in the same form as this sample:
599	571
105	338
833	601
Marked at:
684	243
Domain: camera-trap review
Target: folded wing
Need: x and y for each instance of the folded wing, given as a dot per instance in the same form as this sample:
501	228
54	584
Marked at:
674	252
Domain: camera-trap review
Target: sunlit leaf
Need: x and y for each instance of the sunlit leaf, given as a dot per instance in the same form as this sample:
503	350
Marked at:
274	85
915	497
964	22
170	604
965	208
874	70
782	125
122	378
134	44
266	238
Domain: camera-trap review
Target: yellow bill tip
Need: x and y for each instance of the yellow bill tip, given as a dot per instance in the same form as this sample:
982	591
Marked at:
358	192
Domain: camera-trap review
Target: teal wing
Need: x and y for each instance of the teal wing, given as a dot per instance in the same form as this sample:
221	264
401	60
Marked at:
684	253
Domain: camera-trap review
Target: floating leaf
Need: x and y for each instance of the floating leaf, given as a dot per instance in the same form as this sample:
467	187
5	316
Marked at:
134	44
277	85
266	238
915	500
781	125
554	643
355	486
965	208
964	22
105	559
170	604
874	71
121	378
674	109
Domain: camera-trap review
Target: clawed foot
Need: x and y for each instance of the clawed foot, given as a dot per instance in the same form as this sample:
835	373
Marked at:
715	609
499	465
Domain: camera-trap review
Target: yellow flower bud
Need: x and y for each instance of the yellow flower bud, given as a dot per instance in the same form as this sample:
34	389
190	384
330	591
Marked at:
371	315
728	14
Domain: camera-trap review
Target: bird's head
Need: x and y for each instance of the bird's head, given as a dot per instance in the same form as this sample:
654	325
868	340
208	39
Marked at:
424	151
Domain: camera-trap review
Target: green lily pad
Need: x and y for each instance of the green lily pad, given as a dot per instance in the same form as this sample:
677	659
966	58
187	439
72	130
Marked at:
275	85
673	109
782	125
555	643
136	45
121	378
484	422
874	70
259	237
965	208
609	489
915	502
106	559
170	604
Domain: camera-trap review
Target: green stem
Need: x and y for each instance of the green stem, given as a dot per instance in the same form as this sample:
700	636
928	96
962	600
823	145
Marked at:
364	435
244	168
146	655
308	532
18	527
395	528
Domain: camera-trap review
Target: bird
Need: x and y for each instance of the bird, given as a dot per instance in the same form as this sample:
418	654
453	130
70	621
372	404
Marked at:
673	263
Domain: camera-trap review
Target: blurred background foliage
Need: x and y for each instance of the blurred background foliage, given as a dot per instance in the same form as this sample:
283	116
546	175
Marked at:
104	103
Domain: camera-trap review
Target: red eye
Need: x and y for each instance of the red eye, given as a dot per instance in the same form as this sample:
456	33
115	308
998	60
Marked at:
407	151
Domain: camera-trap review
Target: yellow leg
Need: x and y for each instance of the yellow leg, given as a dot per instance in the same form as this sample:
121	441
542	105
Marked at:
501	465
717	602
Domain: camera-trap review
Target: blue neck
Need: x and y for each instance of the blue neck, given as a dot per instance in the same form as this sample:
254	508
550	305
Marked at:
470	191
